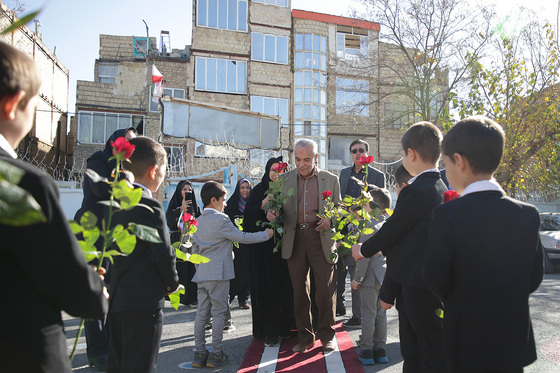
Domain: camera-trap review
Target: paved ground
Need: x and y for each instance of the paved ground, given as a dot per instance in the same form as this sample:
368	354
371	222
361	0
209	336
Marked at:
177	341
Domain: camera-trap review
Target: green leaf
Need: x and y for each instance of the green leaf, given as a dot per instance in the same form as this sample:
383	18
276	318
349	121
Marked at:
144	232
10	173
176	245
88	220
95	177
18	207
175	297
22	22
337	236
181	255
280	230
90	252
439	313
197	259
126	242
91	235
128	196
76	228
290	192
367	231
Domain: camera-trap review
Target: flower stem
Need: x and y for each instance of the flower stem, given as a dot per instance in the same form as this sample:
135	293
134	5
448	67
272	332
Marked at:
77	339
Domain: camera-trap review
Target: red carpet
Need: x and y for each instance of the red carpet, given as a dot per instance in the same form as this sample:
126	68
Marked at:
282	359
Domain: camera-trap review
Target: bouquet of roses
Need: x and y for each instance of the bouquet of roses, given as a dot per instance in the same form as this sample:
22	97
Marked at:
277	198
351	211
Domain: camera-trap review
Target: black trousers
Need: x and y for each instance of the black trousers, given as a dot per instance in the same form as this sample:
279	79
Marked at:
420	330
134	341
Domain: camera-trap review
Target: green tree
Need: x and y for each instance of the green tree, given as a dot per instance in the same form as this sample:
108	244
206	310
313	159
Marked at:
423	49
520	90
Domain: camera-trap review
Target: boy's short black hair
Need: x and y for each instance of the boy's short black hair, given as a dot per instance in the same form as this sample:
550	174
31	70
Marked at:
18	73
211	189
362	142
147	153
402	176
480	140
381	196
425	139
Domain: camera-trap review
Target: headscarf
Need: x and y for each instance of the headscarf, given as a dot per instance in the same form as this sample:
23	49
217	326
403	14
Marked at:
236	204
177	199
266	177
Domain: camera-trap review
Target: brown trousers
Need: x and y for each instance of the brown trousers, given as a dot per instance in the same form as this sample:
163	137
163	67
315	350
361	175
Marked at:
308	253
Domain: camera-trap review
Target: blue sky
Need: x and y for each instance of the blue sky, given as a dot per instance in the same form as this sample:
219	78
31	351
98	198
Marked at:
73	26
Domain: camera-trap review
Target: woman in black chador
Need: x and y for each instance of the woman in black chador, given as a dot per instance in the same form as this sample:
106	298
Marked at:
271	288
183	200
239	286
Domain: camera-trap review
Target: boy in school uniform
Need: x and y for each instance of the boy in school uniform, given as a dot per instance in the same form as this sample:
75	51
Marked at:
367	281
484	257
214	239
141	280
402	239
43	270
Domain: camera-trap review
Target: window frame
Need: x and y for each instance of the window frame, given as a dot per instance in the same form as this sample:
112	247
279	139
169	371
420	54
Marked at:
101	76
136	50
273	2
278	101
359	91
140	118
175	168
351	32
265	44
220	81
240	16
152	103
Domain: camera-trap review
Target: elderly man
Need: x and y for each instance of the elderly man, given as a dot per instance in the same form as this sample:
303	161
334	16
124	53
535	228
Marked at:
349	186
307	244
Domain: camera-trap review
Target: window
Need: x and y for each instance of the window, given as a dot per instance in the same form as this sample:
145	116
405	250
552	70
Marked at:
170	92
96	127
351	42
283	3
269	48
175	159
107	73
271	105
218	151
223	14
396	114
141	46
352	97
259	158
218	75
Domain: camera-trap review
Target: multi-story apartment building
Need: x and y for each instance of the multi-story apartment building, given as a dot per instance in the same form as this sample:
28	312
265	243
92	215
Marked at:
321	74
46	143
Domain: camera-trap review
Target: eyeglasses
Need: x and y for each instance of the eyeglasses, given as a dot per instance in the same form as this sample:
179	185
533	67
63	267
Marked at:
361	150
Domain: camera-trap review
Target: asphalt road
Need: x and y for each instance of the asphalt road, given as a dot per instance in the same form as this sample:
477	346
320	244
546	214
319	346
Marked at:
177	340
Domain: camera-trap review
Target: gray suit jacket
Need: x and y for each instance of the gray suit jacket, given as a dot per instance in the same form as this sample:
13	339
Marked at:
375	177
327	181
214	240
371	268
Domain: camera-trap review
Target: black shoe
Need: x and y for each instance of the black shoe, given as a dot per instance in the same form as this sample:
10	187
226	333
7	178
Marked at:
99	362
271	341
380	356
353	323
340	310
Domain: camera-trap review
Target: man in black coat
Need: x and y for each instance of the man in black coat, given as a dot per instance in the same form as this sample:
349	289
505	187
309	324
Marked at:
484	257
43	269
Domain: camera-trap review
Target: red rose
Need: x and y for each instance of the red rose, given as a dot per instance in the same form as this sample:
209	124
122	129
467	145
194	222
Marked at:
326	194
450	195
189	220
365	160
280	167
123	147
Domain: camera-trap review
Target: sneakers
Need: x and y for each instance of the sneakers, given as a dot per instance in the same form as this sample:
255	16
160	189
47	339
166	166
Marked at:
271	341
303	346
353	323
328	345
380	356
228	326
366	357
244	305
216	361
200	359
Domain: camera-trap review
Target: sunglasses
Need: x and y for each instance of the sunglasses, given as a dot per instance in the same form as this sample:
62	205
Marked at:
361	150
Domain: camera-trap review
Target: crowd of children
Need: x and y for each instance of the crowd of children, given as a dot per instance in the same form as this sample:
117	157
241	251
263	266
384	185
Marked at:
477	255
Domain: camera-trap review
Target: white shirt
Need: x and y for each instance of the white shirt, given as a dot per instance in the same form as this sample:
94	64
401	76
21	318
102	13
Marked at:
423	172
5	145
143	187
482	186
210	208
